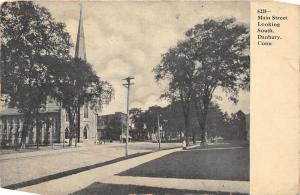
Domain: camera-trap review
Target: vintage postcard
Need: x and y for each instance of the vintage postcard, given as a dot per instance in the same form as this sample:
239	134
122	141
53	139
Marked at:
149	97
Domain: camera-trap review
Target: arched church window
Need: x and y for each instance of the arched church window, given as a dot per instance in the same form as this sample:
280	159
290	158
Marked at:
86	110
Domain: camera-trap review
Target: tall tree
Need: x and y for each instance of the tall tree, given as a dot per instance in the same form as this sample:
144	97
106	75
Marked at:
238	125
135	115
214	121
220	52
175	120
29	37
177	67
137	118
214	54
76	84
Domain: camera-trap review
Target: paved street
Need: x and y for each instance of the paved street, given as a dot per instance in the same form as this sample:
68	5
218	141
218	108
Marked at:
96	180
20	167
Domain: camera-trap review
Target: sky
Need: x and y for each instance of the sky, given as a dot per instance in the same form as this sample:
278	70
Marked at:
128	38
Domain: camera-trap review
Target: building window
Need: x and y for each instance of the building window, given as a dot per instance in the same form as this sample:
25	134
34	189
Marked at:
86	110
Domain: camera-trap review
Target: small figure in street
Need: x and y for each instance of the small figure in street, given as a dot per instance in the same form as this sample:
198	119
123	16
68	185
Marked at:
184	145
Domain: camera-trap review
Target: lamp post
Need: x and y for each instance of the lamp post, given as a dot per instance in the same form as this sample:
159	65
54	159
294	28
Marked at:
64	132
122	134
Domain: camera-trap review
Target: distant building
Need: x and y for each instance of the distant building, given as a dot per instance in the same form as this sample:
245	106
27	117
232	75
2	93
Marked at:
53	126
111	126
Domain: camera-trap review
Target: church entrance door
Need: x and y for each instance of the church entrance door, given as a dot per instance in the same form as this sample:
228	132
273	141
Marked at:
85	132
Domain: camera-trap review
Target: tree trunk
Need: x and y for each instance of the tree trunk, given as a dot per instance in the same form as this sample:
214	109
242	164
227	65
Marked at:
27	117
187	128
37	138
201	118
202	129
37	127
78	124
202	126
71	125
47	133
17	139
194	137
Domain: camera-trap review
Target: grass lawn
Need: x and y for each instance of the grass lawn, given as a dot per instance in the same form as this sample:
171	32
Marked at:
222	145
214	164
114	189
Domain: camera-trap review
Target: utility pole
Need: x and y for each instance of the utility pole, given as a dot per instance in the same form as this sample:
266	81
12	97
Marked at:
76	114
127	85
158	129
52	129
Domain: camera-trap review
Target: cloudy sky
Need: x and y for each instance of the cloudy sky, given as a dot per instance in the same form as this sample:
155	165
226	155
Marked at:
127	39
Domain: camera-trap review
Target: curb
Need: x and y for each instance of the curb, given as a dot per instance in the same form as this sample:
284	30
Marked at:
76	170
69	172
38	153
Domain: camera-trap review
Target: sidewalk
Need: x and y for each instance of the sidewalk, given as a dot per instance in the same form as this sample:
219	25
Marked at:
69	184
107	174
22	167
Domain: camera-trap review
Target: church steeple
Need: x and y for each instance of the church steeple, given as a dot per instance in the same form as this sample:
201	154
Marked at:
80	43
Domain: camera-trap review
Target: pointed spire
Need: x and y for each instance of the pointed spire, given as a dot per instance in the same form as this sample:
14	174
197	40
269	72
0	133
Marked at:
80	43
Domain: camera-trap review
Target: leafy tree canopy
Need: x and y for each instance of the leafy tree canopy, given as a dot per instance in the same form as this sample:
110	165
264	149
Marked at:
30	36
213	54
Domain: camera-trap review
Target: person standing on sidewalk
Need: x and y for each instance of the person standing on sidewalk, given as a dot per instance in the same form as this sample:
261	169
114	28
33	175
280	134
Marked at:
184	145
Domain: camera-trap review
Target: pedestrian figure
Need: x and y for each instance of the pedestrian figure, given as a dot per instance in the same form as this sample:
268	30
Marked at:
184	145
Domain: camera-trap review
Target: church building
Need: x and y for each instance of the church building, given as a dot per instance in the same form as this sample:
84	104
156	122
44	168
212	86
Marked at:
88	117
53	126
